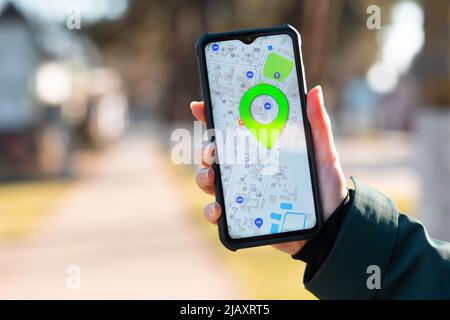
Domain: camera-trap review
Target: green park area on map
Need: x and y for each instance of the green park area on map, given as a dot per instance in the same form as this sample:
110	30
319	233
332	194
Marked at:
277	67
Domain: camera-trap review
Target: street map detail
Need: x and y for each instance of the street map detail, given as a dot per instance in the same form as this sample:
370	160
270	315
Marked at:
254	94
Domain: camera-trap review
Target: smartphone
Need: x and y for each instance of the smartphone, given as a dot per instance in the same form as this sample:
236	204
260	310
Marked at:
255	103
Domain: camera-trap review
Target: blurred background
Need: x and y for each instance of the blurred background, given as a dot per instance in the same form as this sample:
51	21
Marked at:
91	205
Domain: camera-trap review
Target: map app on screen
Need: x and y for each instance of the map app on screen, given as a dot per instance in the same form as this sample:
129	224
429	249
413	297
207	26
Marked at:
255	94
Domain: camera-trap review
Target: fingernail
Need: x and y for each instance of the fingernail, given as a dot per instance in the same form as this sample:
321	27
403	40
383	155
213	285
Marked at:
209	156
192	102
209	209
211	149
204	173
317	88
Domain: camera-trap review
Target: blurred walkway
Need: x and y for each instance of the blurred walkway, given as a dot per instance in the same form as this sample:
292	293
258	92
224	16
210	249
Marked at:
127	231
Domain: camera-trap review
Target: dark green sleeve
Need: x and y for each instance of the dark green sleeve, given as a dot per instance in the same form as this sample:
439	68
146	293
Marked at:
411	265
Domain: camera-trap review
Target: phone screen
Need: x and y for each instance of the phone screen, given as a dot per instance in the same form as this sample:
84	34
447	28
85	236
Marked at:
262	150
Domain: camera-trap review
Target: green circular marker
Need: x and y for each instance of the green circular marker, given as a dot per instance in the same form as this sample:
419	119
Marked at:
267	133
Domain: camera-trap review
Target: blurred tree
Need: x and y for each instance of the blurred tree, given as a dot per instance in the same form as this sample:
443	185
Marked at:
433	126
318	21
433	64
153	45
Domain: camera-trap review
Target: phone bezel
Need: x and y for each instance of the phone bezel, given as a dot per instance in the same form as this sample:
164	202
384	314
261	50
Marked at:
226	239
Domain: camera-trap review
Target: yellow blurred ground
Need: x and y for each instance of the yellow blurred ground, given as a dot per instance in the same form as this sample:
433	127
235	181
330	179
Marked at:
23	205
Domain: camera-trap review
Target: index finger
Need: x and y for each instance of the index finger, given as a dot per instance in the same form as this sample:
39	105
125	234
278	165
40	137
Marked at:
198	110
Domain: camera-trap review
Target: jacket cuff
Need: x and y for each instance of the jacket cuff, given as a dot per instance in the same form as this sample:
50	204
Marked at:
366	238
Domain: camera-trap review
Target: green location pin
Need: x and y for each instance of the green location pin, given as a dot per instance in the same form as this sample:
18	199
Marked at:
268	133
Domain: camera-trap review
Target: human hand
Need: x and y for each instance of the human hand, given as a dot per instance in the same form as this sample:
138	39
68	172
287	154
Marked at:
331	178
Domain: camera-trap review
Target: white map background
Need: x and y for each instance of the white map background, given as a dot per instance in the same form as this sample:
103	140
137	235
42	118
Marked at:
283	200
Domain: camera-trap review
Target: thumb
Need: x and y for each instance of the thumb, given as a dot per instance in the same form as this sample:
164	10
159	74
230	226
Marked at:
324	147
331	177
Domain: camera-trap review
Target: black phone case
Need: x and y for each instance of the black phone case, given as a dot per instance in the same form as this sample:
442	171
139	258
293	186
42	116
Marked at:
227	241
